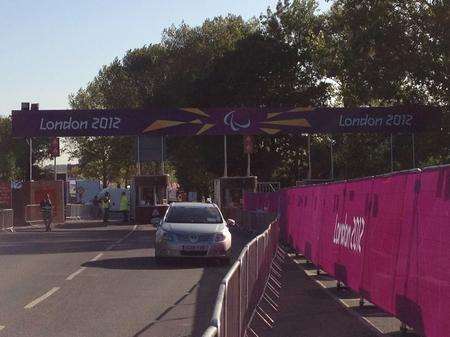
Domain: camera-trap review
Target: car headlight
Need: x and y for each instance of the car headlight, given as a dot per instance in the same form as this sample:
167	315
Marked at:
168	236
219	237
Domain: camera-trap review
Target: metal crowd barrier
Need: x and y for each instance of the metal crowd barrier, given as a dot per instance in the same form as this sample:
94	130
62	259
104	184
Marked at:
254	222
33	213
81	212
73	211
7	219
243	286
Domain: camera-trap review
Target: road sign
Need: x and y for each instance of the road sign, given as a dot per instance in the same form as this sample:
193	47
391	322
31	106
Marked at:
149	148
54	147
248	144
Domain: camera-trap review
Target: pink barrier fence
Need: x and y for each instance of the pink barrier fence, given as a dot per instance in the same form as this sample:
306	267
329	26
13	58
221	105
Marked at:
385	237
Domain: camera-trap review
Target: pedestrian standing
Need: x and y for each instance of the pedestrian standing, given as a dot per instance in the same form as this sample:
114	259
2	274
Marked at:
46	209
124	206
106	204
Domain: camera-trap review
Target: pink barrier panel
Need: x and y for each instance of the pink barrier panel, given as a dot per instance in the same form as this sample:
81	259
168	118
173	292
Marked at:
332	209
422	294
382	239
349	227
386	237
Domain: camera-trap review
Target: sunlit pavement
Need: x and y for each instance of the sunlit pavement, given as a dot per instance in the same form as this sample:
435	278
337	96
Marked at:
310	305
85	279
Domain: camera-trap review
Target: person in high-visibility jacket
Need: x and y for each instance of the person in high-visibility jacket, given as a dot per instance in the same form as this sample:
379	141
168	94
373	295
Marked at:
124	206
106	204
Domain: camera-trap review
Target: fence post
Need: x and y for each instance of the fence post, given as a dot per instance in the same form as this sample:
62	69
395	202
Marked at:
225	311
403	328
240	297
229	321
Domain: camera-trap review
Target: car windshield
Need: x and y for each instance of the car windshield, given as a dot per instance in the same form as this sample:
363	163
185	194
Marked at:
186	214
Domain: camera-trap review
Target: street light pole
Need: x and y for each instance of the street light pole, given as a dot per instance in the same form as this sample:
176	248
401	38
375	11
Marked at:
162	154
138	156
225	166
331	157
54	165
309	157
31	158
392	153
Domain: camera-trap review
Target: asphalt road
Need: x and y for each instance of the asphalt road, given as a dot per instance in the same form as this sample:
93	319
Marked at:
86	280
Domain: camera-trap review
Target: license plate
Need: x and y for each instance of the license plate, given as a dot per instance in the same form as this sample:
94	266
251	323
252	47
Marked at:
194	247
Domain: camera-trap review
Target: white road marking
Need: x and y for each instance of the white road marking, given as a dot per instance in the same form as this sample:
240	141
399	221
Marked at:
97	257
42	298
72	276
321	284
126	236
372	324
2	327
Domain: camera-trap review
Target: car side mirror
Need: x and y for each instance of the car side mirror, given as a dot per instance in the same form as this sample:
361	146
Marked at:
231	223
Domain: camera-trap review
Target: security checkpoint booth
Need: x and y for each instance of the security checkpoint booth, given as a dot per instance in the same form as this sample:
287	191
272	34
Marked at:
6	212
229	191
26	199
149	198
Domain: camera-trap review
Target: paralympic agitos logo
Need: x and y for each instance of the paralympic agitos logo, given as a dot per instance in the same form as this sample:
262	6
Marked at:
235	126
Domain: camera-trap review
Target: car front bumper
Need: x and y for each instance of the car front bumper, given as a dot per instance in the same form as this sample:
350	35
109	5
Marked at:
212	250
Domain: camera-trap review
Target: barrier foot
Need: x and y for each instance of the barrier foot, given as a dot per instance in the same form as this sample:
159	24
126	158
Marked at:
403	328
276	266
338	285
274	271
361	302
252	331
318	271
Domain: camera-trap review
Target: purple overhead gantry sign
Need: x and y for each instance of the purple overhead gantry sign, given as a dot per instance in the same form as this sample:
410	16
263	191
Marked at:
223	121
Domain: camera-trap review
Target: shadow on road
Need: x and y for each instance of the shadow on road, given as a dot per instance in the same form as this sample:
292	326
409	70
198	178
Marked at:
190	315
402	334
208	288
149	263
35	241
80	224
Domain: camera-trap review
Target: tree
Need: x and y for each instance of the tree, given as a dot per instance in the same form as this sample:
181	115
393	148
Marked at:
7	160
384	53
14	154
104	158
359	53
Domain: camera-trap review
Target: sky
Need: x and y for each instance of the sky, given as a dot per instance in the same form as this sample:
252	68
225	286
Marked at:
51	48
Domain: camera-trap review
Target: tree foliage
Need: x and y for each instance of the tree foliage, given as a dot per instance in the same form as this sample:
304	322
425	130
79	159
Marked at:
14	154
358	53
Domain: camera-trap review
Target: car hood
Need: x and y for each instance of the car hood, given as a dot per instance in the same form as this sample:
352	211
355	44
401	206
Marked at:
202	228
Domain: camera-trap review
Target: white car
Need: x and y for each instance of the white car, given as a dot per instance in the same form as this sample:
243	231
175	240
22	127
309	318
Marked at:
193	229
